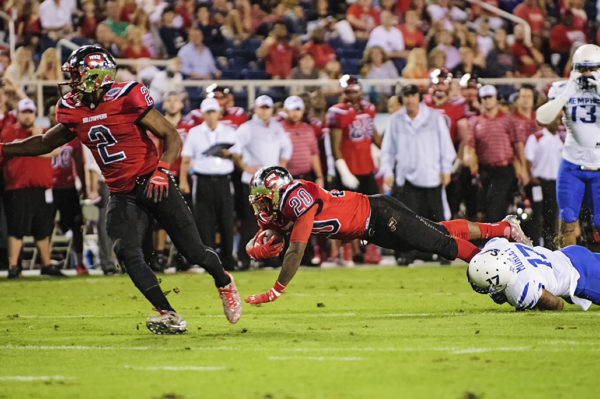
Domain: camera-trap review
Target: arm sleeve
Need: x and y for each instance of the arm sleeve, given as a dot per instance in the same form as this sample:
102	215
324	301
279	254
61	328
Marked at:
137	99
188	146
388	148
303	226
447	152
523	292
240	140
530	148
286	146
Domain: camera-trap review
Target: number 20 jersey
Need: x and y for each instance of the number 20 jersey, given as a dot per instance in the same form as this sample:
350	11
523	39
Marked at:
537	268
121	147
340	214
582	120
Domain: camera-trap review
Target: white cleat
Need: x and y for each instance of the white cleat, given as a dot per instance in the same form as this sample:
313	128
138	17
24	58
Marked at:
516	233
232	305
167	322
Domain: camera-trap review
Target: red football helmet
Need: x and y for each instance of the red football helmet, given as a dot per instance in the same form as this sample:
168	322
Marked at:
351	89
440	82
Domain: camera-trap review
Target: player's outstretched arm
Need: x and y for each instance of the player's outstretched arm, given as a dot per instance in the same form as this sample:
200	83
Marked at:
162	128
293	256
549	301
38	144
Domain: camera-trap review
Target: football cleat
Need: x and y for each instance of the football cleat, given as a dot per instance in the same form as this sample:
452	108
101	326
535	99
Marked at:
516	233
14	272
51	271
167	322
232	305
81	270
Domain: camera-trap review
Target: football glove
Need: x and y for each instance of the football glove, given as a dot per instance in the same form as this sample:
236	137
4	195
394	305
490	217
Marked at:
270	249
268	296
158	184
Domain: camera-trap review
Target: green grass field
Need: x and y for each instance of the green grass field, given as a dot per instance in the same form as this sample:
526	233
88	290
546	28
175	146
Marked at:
367	332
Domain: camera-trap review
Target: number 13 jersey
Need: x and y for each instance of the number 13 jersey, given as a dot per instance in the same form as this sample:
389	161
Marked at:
582	119
120	146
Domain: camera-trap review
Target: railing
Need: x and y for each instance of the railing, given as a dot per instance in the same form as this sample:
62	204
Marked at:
506	15
253	86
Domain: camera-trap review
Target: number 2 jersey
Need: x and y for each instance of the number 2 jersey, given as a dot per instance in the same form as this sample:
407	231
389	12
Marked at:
119	145
340	215
582	120
537	268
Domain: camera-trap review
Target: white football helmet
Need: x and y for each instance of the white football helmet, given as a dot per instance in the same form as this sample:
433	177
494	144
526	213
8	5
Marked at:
490	271
586	56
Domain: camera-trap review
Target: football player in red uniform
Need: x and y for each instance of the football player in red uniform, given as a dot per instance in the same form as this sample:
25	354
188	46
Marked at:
172	106
230	114
112	120
299	208
67	166
352	128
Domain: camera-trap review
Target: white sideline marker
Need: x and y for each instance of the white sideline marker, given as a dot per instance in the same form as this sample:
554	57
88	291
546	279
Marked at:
31	378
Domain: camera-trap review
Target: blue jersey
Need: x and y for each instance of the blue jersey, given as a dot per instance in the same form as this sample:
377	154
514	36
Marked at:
537	268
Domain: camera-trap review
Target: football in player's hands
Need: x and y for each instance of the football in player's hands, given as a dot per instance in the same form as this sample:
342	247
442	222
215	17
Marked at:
266	235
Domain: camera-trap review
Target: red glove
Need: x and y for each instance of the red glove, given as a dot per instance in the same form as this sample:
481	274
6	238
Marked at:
270	249
158	184
268	296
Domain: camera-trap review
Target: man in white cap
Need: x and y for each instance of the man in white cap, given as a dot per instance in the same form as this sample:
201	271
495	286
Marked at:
211	175
496	140
28	195
260	142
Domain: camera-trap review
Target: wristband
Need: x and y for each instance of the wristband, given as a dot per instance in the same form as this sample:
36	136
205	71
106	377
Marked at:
279	287
164	165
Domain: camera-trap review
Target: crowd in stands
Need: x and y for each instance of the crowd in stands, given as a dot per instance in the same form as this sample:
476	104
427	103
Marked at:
263	39
452	42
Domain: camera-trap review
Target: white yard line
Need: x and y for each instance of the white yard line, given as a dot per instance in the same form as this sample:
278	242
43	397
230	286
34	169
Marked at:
30	378
317	358
175	368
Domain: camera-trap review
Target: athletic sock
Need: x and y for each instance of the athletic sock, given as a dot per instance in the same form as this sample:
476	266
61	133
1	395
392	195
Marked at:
157	298
458	228
466	249
491	230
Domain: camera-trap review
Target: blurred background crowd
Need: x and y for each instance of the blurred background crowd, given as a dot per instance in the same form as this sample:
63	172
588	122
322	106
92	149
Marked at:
492	165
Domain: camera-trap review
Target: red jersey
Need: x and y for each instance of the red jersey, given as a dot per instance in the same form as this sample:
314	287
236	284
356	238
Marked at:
340	215
357	133
183	128
452	114
120	146
24	172
64	165
234	117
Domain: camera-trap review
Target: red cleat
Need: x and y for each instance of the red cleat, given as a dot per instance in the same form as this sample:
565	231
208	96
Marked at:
232	305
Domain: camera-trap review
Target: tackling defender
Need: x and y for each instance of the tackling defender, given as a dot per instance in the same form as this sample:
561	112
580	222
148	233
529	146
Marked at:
579	172
299	208
112	120
539	278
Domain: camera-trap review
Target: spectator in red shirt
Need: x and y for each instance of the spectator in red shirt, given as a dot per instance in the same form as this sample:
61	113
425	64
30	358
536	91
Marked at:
562	38
528	58
531	12
525	111
29	210
322	52
495	139
278	52
413	37
90	20
363	18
